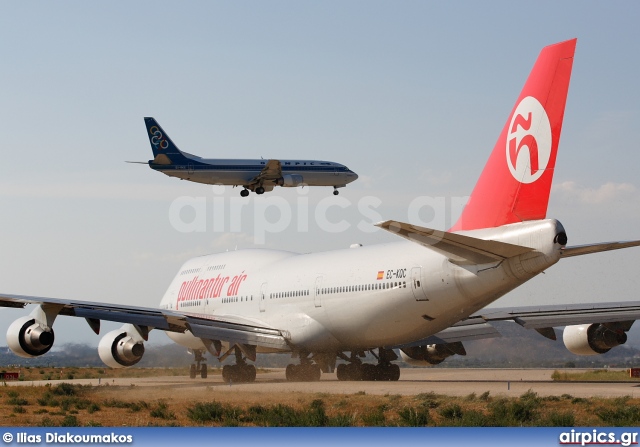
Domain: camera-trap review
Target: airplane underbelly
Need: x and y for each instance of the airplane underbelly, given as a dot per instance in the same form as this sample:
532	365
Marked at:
186	339
214	177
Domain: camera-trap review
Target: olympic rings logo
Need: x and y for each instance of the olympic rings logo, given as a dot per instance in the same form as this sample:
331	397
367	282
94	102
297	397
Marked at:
157	139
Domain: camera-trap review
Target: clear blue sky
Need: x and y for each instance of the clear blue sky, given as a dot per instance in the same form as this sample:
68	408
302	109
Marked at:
411	95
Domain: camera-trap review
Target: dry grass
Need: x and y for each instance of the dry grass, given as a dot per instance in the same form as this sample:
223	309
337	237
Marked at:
28	374
66	405
597	375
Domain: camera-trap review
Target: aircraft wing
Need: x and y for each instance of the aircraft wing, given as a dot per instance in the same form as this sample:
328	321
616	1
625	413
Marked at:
540	318
231	328
271	171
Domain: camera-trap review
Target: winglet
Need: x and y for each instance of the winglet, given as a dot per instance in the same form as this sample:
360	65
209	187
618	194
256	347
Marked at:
459	249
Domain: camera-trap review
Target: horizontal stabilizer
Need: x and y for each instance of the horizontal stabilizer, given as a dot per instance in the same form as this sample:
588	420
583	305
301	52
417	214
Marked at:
596	248
459	249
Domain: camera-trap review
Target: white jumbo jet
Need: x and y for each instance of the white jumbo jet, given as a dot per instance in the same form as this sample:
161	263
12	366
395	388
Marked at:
257	175
423	296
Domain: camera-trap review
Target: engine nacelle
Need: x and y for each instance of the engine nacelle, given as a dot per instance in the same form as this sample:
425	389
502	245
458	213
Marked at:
29	338
290	180
121	348
592	339
430	355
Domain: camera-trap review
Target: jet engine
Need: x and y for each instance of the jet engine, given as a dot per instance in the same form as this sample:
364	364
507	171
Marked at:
121	348
290	180
430	355
592	339
28	337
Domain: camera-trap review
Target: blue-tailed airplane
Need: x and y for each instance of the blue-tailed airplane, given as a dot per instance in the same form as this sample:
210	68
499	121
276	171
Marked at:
253	175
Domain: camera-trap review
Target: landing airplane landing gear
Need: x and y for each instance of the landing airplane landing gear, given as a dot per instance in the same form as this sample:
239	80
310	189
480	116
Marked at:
240	372
200	366
259	190
244	192
335	191
306	371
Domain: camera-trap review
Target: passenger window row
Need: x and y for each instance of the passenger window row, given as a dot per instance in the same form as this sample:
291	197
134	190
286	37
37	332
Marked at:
290	294
236	299
363	287
216	267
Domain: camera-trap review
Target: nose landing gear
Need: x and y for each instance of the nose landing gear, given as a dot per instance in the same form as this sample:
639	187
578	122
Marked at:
200	365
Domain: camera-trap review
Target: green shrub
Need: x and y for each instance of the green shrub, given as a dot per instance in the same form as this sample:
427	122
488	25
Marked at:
66	389
375	418
206	412
557	419
69	421
162	412
428	400
414	417
619	415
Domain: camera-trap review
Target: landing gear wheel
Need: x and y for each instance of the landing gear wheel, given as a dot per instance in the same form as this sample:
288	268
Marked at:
226	374
307	372
244	192
203	371
239	373
192	372
336	192
350	371
259	190
317	373
341	372
251	373
369	372
394	373
289	373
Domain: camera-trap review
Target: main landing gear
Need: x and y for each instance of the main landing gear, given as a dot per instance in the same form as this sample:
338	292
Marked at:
335	191
355	370
200	365
240	372
306	371
245	192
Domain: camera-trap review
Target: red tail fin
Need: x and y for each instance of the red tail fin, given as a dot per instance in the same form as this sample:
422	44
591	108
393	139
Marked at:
515	183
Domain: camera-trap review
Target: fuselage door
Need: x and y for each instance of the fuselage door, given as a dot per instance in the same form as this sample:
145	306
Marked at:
263	296
190	168
317	296
417	287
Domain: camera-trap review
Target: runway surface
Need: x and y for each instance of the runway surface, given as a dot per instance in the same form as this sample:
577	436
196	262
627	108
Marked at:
454	382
